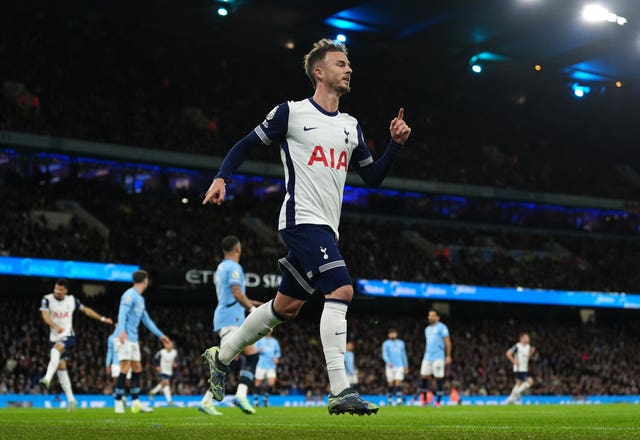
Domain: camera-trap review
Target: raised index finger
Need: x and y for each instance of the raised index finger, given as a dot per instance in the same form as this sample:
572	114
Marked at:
400	114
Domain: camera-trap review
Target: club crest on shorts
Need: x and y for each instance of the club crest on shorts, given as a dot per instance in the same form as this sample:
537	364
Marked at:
324	251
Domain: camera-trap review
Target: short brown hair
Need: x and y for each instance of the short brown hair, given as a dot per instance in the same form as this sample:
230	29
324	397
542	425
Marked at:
140	275
317	53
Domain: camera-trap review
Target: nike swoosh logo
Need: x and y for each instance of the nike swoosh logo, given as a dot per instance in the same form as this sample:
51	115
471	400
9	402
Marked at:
341	333
305	128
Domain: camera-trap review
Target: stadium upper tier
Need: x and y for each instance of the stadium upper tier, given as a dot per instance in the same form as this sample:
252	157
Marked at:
163	227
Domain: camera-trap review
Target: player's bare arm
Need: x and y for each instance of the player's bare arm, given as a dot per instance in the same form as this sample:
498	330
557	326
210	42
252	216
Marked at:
93	314
239	296
447	346
399	129
216	192
511	358
46	317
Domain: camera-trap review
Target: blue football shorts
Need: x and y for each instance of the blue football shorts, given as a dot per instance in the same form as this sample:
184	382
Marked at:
314	262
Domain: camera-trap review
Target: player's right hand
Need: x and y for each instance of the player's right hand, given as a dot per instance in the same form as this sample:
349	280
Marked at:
109	371
216	192
122	336
59	329
165	340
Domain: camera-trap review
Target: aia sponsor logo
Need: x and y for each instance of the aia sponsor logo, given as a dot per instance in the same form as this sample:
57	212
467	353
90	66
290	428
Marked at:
60	315
328	159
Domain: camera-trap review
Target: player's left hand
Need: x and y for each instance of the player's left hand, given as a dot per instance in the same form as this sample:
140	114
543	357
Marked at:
399	129
216	192
165	340
108	321
406	370
447	360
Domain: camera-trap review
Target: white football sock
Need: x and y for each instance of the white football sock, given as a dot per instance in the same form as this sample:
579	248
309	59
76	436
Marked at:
333	333
65	383
167	392
242	390
207	399
514	393
53	364
259	322
524	387
156	389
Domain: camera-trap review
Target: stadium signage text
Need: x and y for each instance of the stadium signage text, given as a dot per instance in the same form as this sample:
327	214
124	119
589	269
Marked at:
37	267
199	277
516	295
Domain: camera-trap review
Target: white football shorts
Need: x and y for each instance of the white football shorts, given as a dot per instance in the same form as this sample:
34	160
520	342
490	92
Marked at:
394	373
432	368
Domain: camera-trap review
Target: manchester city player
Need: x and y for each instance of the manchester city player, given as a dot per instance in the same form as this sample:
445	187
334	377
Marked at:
132	310
350	366
437	354
57	312
269	351
396	365
318	144
227	318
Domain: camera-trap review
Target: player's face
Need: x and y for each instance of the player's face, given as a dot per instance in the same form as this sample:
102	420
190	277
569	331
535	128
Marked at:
433	317
59	291
337	72
393	335
524	339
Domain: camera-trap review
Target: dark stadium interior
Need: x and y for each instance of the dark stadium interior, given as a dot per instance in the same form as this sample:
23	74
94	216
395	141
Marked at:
538	189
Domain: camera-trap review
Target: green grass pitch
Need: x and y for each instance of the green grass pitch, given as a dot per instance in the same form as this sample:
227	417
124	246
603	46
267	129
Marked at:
618	421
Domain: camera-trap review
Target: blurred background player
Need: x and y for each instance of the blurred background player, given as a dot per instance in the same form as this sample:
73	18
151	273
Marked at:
57	312
519	356
165	361
132	311
350	366
396	366
269	352
112	363
437	354
228	317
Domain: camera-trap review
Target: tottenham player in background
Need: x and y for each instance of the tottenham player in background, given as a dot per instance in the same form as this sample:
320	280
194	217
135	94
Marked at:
269	351
165	361
396	366
437	354
132	311
57	312
519	356
227	318
318	144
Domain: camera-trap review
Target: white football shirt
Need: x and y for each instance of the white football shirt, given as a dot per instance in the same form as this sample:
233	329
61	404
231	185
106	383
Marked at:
61	312
522	353
167	358
317	148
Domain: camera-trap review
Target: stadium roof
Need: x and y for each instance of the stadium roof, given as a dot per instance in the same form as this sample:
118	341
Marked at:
505	34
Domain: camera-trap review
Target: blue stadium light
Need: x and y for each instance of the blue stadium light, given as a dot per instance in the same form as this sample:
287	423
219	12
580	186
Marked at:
222	11
476	68
580	91
341	38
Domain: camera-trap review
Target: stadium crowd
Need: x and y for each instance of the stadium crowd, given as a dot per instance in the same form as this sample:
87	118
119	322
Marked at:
145	97
156	229
576	359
